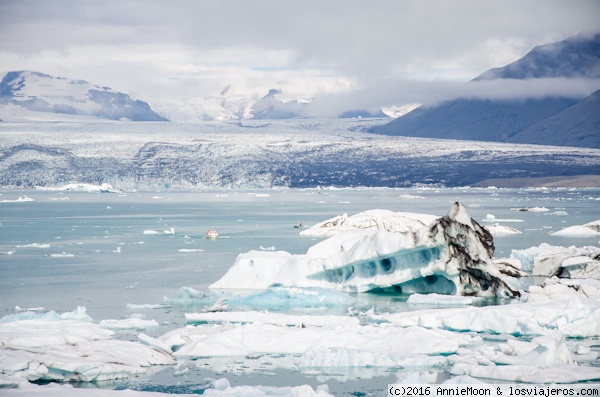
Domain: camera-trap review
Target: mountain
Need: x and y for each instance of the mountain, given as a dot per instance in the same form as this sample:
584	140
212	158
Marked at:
38	92
552	120
270	107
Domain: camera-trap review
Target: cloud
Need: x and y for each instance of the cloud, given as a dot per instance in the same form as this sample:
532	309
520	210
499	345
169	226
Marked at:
346	50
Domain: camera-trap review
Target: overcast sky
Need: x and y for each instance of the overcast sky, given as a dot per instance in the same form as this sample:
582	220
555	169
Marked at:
348	53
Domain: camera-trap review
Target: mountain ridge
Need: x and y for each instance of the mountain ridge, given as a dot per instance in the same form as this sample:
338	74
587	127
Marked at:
39	92
524	120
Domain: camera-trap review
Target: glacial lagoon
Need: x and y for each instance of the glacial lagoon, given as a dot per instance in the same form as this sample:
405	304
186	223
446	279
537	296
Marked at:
142	255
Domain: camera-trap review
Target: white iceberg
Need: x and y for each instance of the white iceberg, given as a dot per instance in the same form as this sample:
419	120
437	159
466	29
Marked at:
381	220
590	229
450	256
128	324
548	260
559	288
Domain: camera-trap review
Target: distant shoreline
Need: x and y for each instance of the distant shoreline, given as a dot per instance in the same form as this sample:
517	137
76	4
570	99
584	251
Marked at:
552	181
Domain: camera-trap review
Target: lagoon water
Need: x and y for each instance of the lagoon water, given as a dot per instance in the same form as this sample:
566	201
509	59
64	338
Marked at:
67	249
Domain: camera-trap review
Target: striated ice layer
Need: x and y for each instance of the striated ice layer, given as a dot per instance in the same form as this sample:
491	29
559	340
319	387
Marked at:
450	256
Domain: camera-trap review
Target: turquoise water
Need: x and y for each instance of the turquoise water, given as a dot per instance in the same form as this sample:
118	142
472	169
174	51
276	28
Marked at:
106	261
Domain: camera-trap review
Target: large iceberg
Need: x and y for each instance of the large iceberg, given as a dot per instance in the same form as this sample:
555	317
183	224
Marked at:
382	220
450	256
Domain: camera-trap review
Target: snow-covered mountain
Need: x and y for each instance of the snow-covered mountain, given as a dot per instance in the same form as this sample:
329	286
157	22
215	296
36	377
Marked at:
24	92
251	154
551	120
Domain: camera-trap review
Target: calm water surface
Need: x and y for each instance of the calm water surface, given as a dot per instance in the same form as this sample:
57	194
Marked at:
94	249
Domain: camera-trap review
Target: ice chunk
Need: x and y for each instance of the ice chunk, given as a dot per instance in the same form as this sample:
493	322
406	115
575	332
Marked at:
382	220
129	323
451	256
501	230
440	300
286	298
272	318
82	187
548	260
556	289
589	229
68	350
244	339
187	296
574	318
79	314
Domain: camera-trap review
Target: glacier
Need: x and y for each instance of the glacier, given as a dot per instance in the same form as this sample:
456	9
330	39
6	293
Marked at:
450	256
252	154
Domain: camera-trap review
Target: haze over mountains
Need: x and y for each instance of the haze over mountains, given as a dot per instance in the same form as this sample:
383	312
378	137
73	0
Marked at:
550	120
562	118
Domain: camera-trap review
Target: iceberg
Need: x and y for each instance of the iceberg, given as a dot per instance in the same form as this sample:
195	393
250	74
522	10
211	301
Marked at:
559	288
572	262
382	220
450	256
591	229
501	230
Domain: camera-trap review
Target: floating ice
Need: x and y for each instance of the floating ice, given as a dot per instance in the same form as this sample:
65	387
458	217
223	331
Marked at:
70	350
21	199
548	260
245	339
79	314
187	296
191	250
451	256
441	300
287	298
34	245
150	232
589	229
579	318
382	220
501	230
272	318
556	289
128	324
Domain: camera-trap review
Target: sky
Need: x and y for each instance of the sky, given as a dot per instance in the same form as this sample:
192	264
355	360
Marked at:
186	57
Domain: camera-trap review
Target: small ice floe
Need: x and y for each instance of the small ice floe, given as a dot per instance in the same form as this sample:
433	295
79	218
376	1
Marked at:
493	219
34	245
169	231
190	250
501	230
186	296
118	250
442	300
150	232
558	213
591	229
21	199
410	197
531	209
128	324
271	248
30	309
556	288
62	255
145	306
